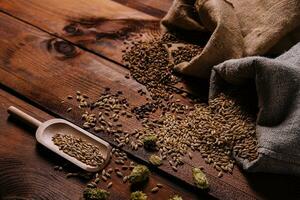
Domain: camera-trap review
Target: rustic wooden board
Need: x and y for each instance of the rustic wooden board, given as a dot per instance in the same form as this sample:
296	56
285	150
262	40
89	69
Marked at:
26	168
25	172
97	26
100	26
33	66
50	68
151	7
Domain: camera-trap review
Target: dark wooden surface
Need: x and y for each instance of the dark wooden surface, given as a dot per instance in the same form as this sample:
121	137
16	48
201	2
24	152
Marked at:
33	65
100	27
27	168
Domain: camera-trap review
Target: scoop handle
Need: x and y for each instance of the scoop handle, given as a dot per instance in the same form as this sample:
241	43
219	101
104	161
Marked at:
23	116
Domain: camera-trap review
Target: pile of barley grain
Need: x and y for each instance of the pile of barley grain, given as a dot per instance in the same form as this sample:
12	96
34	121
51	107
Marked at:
151	63
79	148
185	53
218	131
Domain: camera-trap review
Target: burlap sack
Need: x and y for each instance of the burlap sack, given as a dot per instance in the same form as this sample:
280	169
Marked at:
238	28
277	83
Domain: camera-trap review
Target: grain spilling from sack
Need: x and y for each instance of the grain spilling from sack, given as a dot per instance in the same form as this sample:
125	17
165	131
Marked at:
151	63
218	130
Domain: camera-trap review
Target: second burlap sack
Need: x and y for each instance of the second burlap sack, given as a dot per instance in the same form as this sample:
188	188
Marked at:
277	87
237	28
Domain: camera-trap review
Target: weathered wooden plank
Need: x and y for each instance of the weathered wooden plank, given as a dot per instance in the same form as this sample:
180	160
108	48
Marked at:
26	169
45	70
40	77
151	7
98	26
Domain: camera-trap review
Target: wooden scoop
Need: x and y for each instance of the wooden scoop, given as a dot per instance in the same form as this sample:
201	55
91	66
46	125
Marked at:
46	130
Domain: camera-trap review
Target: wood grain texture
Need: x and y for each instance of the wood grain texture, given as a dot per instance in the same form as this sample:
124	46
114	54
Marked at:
26	168
49	74
154	8
33	65
98	26
45	69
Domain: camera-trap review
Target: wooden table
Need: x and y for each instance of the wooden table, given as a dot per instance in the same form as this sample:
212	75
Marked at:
49	49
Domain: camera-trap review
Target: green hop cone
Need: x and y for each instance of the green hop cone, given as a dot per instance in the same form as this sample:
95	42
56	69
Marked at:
155	160
139	174
200	178
138	195
176	197
150	142
95	194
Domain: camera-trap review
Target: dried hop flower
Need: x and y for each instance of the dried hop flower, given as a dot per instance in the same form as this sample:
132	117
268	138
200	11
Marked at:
200	178
176	197
155	160
139	174
95	194
150	142
138	195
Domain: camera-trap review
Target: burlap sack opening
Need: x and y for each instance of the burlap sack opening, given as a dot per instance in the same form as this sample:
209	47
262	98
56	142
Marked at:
238	29
277	83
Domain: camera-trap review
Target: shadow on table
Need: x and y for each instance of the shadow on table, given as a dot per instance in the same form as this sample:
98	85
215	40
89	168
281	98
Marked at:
274	186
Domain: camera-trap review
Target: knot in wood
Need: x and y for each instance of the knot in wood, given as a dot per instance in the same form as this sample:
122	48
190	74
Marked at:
70	28
65	48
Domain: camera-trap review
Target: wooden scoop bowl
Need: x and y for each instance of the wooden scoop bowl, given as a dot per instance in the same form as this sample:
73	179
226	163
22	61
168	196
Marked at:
46	130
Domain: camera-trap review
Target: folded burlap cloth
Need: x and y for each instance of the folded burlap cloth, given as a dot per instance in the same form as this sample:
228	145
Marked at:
277	83
237	28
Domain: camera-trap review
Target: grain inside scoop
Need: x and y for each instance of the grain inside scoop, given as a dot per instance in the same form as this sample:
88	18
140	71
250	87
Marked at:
69	141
